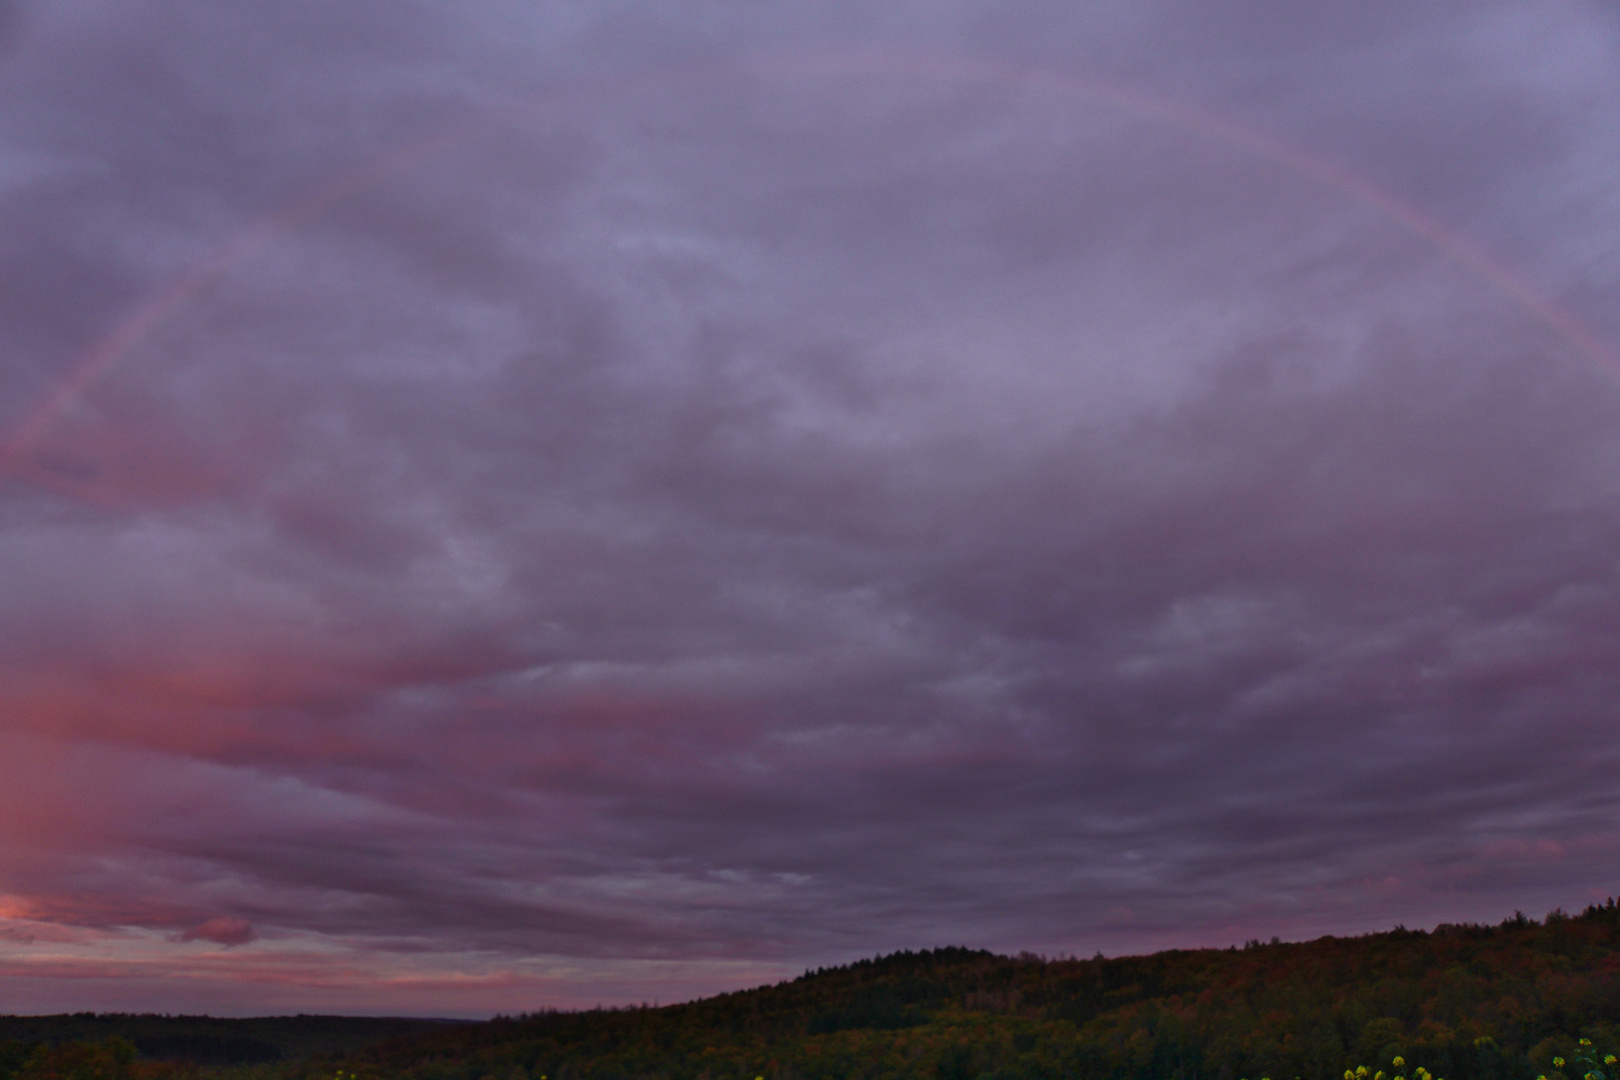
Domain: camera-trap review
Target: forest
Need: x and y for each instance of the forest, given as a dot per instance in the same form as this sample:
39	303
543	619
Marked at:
1519	1000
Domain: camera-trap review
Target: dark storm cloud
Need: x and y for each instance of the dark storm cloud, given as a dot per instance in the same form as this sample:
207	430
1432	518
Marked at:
648	499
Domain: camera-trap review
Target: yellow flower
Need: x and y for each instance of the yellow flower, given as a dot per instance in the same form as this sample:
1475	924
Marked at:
1586	1042
1558	1062
1399	1062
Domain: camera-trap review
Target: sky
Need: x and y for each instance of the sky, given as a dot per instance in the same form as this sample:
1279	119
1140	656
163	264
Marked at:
509	505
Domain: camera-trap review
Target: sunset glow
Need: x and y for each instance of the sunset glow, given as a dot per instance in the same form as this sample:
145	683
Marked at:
508	506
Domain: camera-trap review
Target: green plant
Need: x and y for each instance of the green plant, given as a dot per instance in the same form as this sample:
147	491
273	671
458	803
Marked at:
1398	1063
1588	1066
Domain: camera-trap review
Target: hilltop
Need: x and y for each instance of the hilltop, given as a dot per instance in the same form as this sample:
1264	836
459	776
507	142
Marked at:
1466	1002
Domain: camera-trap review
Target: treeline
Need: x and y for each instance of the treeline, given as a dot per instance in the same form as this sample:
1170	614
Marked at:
1464	1002
120	1046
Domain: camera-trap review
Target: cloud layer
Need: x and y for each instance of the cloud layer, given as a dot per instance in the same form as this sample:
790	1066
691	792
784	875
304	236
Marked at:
513	505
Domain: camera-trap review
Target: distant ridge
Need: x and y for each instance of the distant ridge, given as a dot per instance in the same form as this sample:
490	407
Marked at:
205	1040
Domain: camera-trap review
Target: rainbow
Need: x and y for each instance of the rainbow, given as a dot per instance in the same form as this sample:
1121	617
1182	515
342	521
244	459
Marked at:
19	444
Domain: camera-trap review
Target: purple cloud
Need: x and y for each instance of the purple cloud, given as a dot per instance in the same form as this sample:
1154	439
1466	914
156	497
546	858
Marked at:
511	507
222	931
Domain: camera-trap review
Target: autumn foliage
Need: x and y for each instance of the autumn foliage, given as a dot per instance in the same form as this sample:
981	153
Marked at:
1461	1002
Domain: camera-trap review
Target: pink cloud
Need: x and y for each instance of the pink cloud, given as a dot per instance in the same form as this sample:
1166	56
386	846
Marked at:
224	931
92	911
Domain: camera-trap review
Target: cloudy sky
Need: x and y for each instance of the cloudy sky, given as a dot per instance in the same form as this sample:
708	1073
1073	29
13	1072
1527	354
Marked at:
509	504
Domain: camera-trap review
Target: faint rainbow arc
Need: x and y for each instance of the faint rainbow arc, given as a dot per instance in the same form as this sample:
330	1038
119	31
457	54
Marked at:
1199	121
1223	129
109	350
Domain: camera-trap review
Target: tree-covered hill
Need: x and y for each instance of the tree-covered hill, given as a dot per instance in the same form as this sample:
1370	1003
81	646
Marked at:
1465	1002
